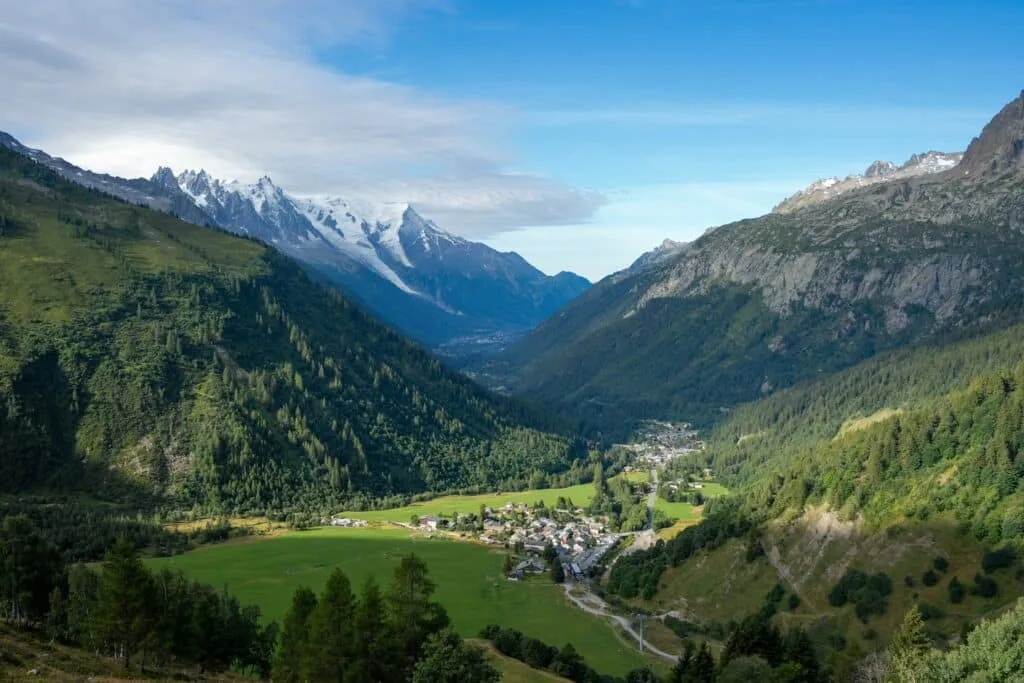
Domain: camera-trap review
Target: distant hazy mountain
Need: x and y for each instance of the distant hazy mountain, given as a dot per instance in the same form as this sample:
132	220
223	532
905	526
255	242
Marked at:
879	172
763	303
445	291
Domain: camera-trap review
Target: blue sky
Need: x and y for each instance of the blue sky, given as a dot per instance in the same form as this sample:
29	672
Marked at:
577	132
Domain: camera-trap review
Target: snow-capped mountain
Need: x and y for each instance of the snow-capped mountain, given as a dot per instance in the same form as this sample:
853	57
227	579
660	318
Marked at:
445	291
880	171
435	286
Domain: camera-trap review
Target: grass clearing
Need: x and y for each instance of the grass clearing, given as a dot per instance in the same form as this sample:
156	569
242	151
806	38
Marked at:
266	571
581	494
514	671
857	424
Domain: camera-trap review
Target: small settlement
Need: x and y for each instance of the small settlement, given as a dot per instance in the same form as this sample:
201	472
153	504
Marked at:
657	442
580	541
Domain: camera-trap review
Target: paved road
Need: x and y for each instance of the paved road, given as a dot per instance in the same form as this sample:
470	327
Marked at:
596	606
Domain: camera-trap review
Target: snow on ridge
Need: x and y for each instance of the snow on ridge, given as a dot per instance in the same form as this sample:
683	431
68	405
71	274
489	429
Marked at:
332	220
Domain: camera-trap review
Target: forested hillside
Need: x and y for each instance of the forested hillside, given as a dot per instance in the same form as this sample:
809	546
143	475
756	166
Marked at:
141	353
907	466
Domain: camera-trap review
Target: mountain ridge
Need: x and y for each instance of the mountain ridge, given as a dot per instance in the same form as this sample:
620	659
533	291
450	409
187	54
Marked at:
445	291
926	163
762	303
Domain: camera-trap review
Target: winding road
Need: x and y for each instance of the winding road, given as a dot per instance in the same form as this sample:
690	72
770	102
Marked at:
598	607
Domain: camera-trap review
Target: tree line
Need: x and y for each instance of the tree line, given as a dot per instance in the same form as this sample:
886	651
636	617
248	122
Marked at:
125	610
396	635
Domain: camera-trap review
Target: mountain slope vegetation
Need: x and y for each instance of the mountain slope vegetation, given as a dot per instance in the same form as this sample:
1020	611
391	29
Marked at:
905	461
762	304
142	352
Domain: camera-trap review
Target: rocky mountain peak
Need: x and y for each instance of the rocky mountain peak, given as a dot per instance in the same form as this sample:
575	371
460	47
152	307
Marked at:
880	169
165	177
1000	147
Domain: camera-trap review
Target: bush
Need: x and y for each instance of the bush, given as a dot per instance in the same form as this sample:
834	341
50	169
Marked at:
930	578
908	581
794	601
777	593
940	563
956	591
868	593
998	559
984	587
929	611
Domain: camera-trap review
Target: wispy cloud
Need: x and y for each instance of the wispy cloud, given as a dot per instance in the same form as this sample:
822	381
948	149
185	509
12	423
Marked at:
124	85
699	115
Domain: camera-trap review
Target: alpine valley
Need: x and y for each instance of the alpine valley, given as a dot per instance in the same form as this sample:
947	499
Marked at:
788	451
901	257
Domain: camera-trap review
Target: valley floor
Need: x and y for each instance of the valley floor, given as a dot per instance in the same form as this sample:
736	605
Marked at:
470	584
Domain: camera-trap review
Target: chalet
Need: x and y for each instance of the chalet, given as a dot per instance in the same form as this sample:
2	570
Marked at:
429	523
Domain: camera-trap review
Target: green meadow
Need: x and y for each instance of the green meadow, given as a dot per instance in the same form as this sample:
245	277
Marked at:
580	494
266	571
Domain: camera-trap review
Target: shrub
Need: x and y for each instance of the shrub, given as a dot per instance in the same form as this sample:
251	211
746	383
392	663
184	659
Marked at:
929	611
930	578
998	559
956	590
868	593
940	563
777	593
794	601
984	587
908	581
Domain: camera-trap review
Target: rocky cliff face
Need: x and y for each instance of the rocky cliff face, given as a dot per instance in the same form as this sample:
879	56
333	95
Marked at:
768	301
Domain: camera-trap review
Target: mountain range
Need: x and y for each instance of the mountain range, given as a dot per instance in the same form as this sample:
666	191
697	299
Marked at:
763	303
139	352
447	292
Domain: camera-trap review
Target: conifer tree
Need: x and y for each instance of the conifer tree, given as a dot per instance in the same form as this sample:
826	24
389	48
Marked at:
294	636
123	619
329	648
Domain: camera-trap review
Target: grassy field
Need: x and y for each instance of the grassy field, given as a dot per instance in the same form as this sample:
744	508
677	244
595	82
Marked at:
514	671
266	572
446	505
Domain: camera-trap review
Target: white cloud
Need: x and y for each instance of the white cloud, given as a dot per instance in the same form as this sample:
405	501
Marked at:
125	85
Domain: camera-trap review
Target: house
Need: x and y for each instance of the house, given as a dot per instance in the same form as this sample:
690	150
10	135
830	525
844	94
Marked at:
429	523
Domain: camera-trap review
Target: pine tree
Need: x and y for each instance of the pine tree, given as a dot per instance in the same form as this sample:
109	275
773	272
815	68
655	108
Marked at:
703	668
376	657
449	659
330	646
122	614
415	617
294	637
908	647
557	572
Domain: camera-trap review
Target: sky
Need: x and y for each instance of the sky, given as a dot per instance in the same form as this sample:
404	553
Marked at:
579	133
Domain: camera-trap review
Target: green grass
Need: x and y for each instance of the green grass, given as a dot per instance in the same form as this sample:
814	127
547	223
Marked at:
580	494
514	671
469	584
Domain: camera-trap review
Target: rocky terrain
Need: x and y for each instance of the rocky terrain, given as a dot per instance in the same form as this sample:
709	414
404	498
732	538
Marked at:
794	293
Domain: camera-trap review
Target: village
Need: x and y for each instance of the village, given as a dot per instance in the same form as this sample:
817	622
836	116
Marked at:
565	533
657	443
